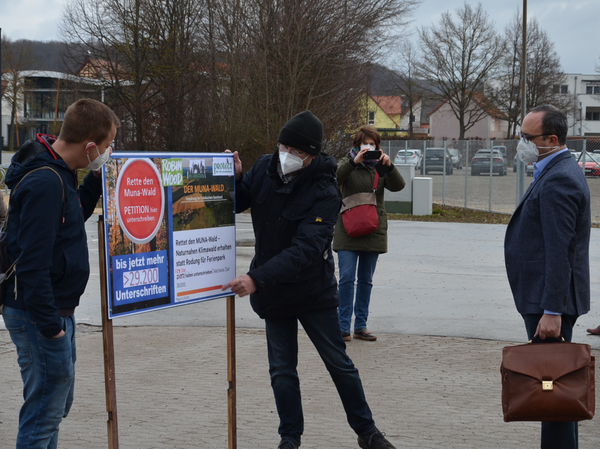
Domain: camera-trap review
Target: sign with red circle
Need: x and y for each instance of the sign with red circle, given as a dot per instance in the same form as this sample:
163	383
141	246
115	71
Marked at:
140	200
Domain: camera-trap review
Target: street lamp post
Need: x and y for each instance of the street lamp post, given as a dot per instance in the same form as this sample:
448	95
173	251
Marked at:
521	167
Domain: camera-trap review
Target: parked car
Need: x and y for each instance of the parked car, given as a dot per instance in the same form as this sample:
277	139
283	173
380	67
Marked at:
456	157
576	154
529	169
592	163
409	157
434	161
502	150
528	166
481	162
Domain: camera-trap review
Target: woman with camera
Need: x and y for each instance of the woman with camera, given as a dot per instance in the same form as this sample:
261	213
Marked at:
364	168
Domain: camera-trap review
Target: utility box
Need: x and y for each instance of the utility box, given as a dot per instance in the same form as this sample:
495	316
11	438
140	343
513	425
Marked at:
422	196
401	202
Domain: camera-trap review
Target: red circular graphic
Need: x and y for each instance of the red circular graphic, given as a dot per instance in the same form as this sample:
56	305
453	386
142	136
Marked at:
140	200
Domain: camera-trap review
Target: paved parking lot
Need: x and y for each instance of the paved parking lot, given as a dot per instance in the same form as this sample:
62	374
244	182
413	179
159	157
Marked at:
425	392
503	191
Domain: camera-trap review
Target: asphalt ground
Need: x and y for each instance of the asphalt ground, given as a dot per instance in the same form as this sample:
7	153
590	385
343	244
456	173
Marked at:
440	306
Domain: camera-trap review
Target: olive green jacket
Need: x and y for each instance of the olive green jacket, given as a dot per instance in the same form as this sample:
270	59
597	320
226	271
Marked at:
355	179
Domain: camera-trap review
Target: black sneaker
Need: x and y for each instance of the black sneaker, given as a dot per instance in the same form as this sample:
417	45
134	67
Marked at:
375	441
287	444
346	336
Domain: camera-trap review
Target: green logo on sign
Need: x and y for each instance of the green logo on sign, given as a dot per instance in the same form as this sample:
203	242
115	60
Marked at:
172	172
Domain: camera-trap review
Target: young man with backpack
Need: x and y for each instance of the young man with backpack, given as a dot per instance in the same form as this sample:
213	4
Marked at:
46	237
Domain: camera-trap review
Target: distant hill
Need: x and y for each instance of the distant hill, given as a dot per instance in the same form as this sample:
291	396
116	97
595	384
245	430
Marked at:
383	80
48	56
52	56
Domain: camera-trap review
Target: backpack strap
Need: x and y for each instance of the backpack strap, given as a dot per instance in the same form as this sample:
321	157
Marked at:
62	184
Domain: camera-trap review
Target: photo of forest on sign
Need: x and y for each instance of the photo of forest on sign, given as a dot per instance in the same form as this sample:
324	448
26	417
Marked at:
204	201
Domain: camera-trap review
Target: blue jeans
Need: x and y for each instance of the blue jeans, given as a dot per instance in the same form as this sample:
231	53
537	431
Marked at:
323	329
48	373
347	261
556	435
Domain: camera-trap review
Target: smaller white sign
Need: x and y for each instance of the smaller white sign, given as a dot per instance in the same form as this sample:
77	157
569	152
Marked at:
223	166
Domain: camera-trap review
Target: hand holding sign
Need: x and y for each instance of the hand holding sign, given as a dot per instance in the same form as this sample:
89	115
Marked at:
241	285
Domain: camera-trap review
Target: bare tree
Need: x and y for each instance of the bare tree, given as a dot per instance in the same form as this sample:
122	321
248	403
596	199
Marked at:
230	117
544	73
284	57
459	55
214	74
17	56
146	50
174	27
508	83
408	85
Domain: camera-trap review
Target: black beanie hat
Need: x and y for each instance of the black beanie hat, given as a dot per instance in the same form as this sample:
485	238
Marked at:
304	131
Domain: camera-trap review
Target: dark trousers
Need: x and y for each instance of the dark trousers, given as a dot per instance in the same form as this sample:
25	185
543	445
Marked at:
556	435
323	329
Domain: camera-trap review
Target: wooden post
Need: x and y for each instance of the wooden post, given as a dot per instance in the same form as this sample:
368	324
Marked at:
109	348
231	399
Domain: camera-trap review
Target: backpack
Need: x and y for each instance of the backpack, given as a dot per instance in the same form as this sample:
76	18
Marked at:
6	268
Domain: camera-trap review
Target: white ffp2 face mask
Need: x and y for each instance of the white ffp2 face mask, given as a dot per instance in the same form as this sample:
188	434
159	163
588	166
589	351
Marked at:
529	151
290	162
102	159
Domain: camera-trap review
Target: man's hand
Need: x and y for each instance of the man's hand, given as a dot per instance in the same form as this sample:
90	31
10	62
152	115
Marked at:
60	334
549	326
241	285
237	163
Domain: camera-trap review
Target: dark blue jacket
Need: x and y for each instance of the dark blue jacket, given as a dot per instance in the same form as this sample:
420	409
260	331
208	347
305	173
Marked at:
546	248
293	265
53	267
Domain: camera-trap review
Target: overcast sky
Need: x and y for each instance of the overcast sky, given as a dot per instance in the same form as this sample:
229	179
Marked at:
571	25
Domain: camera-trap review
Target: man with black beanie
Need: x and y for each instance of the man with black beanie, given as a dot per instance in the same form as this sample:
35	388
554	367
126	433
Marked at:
294	201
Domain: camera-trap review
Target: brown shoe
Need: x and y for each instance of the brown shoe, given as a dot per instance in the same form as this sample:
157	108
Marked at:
346	336
595	331
364	334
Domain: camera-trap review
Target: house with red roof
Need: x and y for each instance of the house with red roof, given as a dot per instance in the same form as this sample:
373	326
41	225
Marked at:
385	112
489	121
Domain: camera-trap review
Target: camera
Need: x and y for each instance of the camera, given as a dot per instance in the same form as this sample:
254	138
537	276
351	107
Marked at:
372	154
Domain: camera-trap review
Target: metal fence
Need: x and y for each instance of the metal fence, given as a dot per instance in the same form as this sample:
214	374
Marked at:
488	191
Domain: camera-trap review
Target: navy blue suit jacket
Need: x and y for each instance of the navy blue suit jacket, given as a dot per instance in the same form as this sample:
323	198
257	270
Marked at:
546	247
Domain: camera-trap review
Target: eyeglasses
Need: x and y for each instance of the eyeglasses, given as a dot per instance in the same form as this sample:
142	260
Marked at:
527	137
287	149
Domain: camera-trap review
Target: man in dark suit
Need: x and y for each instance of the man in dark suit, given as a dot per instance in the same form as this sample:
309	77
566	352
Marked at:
546	246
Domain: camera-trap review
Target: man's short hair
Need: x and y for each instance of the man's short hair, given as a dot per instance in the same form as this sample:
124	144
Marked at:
367	131
554	122
87	119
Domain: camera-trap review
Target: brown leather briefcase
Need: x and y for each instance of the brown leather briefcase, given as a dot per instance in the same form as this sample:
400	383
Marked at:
548	382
